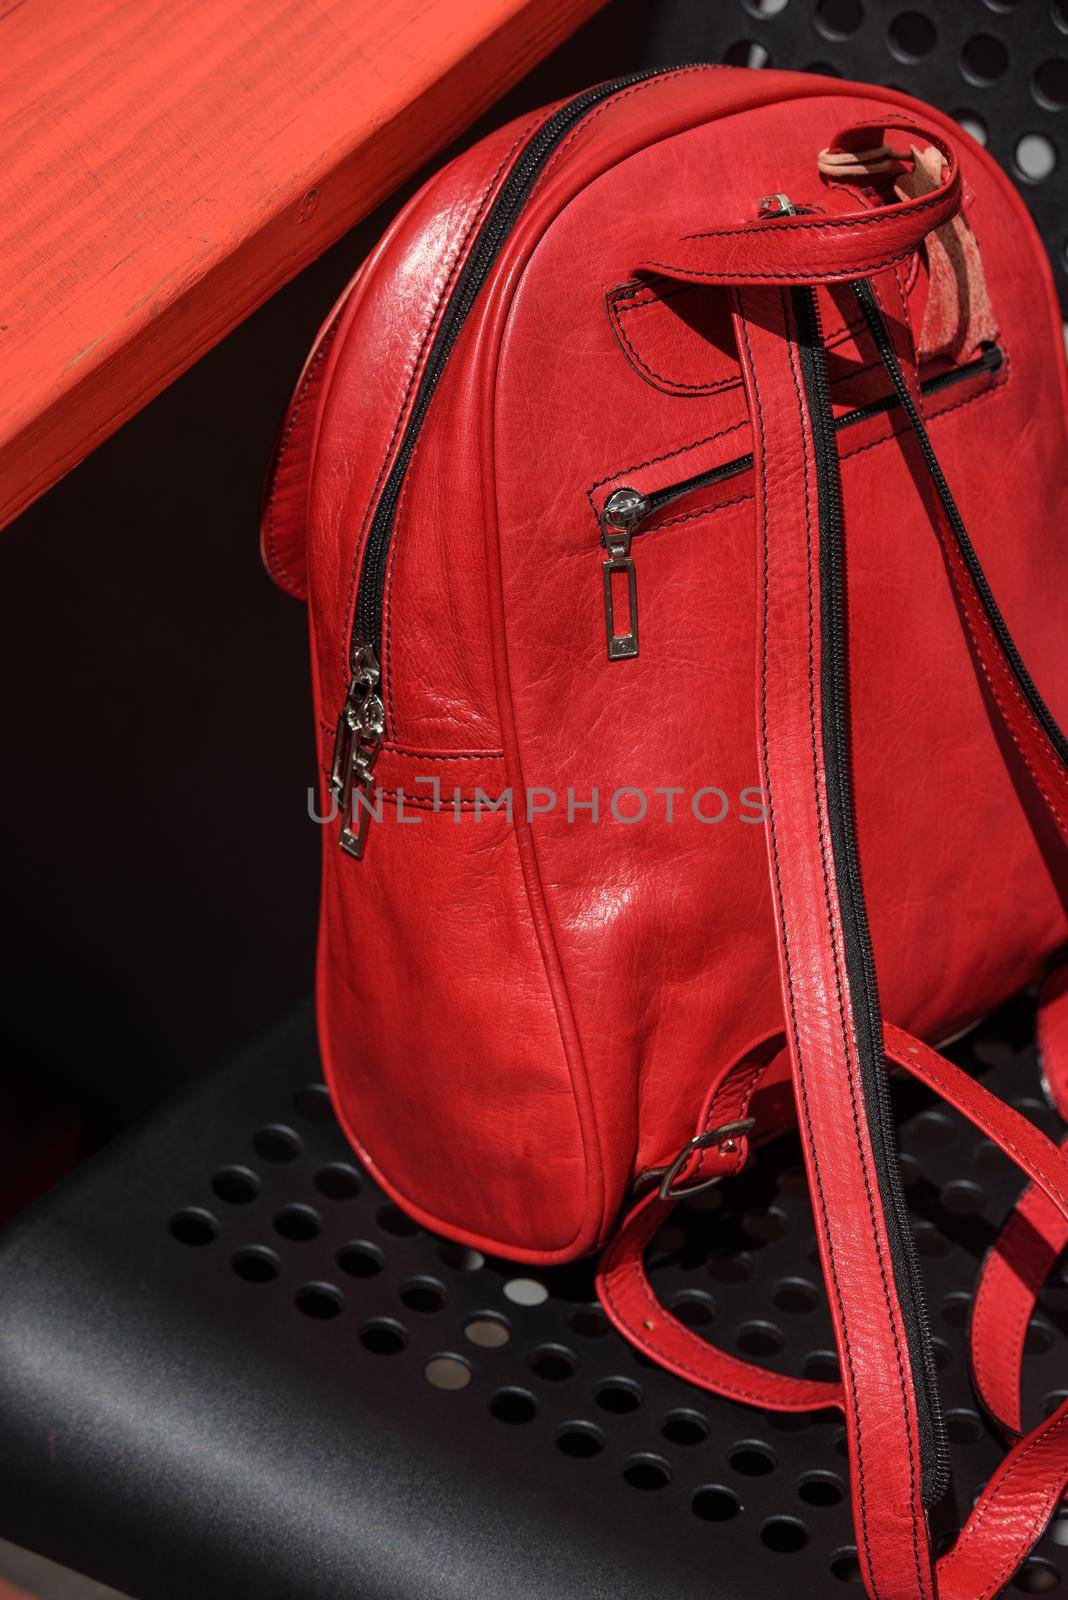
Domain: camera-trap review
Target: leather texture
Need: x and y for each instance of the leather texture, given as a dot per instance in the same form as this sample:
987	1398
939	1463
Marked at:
525	1005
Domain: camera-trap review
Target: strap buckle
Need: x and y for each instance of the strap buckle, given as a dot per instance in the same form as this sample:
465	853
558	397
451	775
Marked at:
666	1178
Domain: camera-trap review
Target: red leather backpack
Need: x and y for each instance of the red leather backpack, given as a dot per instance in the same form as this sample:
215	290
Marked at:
628	485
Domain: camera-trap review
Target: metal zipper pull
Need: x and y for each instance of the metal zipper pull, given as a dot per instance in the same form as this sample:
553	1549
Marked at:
777	205
360	729
365	676
623	511
359	784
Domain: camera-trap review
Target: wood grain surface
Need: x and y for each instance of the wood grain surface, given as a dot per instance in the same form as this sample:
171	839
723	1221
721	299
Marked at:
168	164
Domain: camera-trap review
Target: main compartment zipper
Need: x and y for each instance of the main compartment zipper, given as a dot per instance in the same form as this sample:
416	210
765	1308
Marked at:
356	747
627	512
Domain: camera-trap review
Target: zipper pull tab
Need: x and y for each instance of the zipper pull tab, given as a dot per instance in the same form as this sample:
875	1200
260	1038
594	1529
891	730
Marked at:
360	730
623	511
359	782
365	675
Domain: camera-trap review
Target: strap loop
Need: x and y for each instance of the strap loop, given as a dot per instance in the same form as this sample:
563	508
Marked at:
820	248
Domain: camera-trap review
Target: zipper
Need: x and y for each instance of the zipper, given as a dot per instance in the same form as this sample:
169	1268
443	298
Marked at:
860	966
365	641
627	511
623	511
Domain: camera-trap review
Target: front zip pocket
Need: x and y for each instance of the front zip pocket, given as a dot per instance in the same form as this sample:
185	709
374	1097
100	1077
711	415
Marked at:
628	513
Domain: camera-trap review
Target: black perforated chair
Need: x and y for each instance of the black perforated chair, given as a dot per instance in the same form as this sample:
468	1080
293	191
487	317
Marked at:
232	1368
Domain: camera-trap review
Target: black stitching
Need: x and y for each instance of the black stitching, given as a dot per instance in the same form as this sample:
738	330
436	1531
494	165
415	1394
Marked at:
743	1107
639	295
840	988
617	310
661	379
683	449
616	100
999	382
387	599
858	269
447	755
695	516
773	832
412	374
390	749
774	836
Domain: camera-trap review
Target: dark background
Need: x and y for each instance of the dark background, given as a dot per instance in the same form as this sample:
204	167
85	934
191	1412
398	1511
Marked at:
161	875
160	870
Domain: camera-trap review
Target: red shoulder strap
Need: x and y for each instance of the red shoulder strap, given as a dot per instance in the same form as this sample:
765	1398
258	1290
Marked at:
834	1030
1027	1249
1019	1500
830	1007
628	1295
824	993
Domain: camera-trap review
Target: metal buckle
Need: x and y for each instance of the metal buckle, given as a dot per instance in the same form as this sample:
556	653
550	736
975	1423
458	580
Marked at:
665	1177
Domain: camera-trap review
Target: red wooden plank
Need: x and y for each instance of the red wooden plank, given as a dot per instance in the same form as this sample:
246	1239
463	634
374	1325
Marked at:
169	164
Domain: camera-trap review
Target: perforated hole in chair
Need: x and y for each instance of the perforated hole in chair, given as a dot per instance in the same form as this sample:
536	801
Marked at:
298	1223
580	1440
821	1489
338	1181
647	1472
238	1186
320	1301
714	1503
618	1395
384	1336
360	1259
448	1372
684	1427
312	1102
276	1142
423	1294
513	1406
192	1225
488	1330
256	1265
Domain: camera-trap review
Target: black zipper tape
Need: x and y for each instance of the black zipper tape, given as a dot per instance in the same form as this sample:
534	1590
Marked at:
990	361
492	236
860	966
